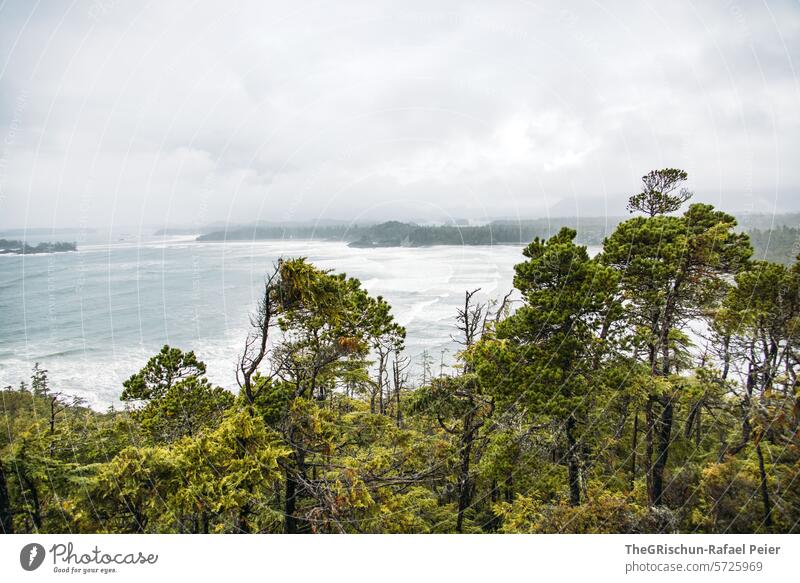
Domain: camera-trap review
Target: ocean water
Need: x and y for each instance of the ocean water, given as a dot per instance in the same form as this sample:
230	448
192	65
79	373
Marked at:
94	317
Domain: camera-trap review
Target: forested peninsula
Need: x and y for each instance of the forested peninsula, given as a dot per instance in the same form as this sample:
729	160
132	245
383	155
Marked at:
774	243
15	247
590	231
648	388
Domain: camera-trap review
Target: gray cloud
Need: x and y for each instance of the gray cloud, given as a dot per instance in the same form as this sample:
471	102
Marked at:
120	113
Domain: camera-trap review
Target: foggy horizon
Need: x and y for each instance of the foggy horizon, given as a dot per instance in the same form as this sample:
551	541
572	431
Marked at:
182	115
148	228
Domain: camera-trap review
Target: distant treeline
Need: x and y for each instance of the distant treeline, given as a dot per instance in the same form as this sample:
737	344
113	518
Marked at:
254	233
766	222
780	245
21	248
591	231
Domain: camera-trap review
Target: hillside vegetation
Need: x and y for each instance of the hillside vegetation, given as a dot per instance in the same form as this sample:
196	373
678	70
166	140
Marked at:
588	405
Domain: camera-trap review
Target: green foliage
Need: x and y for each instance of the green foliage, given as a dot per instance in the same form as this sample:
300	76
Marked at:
656	197
603	513
197	484
167	367
590	404
329	326
184	409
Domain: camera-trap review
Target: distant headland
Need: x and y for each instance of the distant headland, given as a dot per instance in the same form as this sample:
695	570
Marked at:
16	247
774	237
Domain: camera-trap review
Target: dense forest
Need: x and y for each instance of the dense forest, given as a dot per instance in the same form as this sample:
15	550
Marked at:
649	388
21	247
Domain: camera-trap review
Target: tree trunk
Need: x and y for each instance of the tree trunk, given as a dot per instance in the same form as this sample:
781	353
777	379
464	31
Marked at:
648	454
397	386
464	483
290	525
242	521
463	478
382	372
634	444
381	404
664	440
726	356
243	515
290	505
572	464
698	435
764	491
36	514
53	412
6	523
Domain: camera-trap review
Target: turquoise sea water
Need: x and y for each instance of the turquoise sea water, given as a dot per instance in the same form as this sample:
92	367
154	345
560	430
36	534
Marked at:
94	317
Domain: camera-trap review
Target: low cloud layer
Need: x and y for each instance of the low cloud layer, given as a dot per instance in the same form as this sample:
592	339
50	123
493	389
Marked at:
173	114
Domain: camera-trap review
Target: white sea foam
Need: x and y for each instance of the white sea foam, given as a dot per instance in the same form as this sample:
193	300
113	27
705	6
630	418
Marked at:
94	317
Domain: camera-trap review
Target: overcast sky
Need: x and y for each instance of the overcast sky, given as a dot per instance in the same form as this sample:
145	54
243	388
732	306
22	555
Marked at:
166	113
